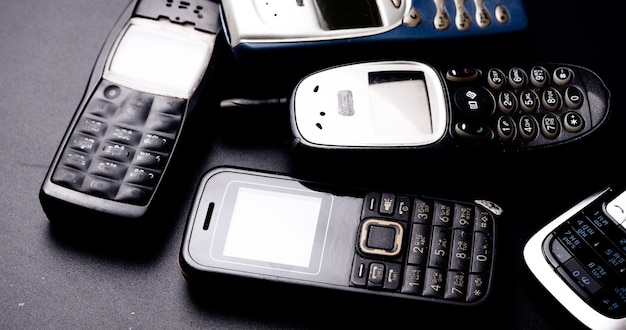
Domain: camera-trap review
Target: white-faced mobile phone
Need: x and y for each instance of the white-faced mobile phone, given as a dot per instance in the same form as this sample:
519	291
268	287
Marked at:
259	225
120	141
278	25
408	104
580	258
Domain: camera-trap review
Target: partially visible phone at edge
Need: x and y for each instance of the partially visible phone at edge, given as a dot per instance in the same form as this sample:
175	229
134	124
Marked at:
258	225
261	25
580	258
120	141
413	105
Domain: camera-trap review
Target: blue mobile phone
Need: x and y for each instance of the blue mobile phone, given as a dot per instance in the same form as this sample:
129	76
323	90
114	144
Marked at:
253	25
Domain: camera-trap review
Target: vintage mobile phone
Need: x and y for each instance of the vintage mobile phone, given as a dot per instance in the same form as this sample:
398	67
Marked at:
580	258
409	104
261	225
124	132
254	25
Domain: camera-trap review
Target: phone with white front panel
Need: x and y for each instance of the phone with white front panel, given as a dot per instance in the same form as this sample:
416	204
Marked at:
404	104
123	135
580	258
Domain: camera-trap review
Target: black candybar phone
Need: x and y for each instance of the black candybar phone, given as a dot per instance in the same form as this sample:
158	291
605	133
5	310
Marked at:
258	225
120	141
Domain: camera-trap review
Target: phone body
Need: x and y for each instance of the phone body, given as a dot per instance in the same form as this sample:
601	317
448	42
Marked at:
403	104
250	225
253	25
580	258
124	132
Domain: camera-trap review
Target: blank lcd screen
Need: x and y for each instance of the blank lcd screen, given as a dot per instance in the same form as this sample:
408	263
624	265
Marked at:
273	227
348	14
160	59
399	103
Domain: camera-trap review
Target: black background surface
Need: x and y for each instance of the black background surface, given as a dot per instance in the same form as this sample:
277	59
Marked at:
129	277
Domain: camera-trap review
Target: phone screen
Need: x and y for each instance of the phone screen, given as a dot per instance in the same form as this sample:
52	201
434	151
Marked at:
272	227
399	103
160	59
348	14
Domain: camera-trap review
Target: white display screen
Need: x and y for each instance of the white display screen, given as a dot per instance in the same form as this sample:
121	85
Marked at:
273	227
399	103
161	59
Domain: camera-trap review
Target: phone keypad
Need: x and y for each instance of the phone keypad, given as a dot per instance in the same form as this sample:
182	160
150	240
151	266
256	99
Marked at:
517	107
120	145
460	17
588	251
426	248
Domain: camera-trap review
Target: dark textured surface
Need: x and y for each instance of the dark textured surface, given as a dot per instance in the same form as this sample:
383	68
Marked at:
128	277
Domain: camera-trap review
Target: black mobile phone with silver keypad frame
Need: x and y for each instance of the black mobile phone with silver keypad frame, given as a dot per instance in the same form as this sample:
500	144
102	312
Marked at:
124	132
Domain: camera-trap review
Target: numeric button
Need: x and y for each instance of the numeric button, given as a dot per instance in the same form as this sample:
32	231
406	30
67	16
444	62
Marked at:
506	128
84	143
550	126
442	19
573	97
423	211
529	101
456	286
439	248
99	186
443	213
418	245
135	109
496	78
154	142
551	99
517	78
482	251
539	76
482	16
413	282
502	14
527	127
434	283
91	127
460	254
133	194
507	102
